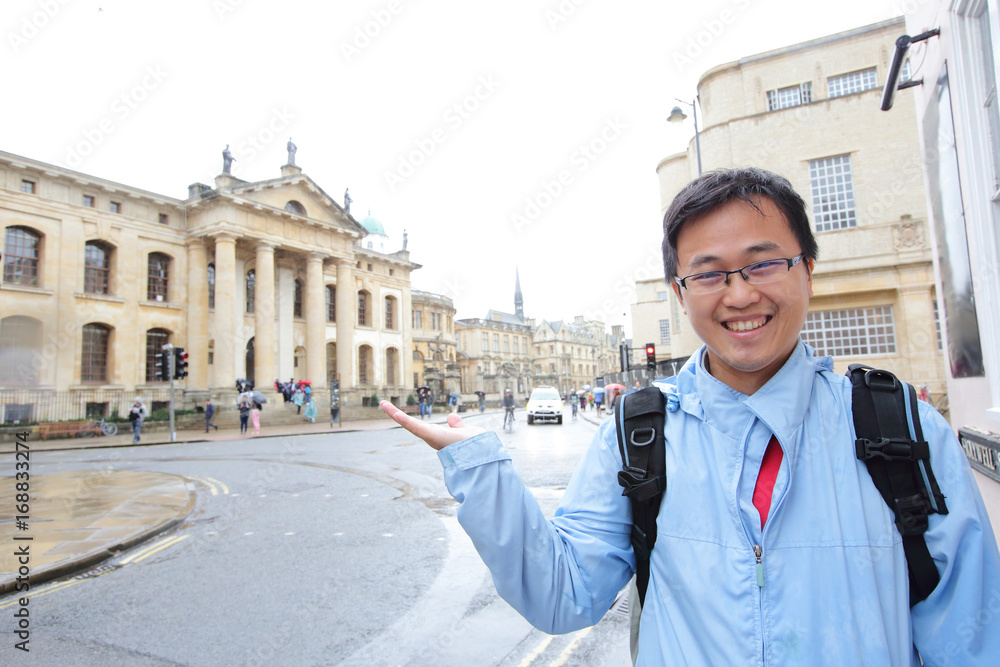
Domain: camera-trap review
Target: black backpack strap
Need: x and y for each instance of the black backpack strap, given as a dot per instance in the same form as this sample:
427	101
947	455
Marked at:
890	442
639	422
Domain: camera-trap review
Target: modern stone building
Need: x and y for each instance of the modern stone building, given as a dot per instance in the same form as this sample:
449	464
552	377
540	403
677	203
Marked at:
257	280
810	112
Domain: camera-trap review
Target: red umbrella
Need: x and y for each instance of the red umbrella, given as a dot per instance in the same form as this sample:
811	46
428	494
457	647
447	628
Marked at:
614	387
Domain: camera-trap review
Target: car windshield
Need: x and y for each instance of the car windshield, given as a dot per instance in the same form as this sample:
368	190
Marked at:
548	394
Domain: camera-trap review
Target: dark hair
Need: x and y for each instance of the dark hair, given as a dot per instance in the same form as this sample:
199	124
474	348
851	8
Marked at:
716	188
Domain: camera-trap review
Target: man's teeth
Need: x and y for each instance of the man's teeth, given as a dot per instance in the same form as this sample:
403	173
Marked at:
745	326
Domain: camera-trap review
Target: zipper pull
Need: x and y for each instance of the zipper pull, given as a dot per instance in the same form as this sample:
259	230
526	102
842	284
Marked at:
758	554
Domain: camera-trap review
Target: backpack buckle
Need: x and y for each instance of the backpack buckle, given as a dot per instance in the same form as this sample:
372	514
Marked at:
913	511
881	380
647	441
891	449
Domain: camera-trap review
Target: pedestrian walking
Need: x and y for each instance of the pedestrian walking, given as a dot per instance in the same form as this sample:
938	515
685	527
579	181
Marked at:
255	417
209	413
299	399
774	544
136	415
482	403
244	407
311	410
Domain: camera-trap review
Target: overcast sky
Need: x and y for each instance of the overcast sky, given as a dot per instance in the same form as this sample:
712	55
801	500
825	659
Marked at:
497	134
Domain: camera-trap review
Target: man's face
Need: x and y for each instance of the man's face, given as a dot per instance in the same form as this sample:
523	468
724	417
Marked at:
750	330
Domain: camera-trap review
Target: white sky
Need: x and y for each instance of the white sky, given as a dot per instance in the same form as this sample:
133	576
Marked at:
152	92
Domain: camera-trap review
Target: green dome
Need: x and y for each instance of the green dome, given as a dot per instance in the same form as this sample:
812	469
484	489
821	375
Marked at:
372	225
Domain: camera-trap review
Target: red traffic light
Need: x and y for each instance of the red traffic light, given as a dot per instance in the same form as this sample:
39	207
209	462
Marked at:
650	350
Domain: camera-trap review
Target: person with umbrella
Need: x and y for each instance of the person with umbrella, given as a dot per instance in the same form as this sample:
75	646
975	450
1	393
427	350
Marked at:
424	397
299	399
255	416
482	401
598	398
453	399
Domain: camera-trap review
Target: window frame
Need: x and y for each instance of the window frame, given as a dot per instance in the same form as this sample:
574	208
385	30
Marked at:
155	340
100	274
94	360
834	208
250	292
158	285
331	303
14	264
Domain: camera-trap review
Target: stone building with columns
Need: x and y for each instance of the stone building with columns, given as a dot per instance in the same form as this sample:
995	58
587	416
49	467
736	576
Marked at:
810	112
257	280
435	346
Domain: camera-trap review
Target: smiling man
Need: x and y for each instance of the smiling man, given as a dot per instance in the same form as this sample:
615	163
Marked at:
774	547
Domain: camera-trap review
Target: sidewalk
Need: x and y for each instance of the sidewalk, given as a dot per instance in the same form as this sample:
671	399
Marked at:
78	519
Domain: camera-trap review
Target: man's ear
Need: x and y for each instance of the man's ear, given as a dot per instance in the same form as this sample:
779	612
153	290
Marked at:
810	266
677	293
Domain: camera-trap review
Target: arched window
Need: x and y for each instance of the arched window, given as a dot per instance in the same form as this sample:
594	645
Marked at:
211	285
331	361
94	359
364	317
22	251
390	366
158	277
97	268
20	350
155	340
295	207
365	375
390	312
331	303
299	360
417	356
211	352
297	299
251	289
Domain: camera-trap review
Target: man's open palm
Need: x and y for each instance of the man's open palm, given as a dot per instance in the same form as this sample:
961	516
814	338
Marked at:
435	435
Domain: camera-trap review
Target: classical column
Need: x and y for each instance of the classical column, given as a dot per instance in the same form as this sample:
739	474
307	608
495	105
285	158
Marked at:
286	321
197	315
347	298
263	343
315	307
226	304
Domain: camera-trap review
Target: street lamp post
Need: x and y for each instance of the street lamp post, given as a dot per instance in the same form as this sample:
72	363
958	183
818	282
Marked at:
677	115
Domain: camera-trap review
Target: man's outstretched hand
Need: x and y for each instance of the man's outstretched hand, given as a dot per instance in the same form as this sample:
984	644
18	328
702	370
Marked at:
435	435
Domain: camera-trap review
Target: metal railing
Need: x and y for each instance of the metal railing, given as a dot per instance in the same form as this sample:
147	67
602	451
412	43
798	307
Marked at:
30	406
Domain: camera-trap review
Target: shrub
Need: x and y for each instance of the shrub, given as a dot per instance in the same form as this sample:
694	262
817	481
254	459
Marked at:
373	400
411	400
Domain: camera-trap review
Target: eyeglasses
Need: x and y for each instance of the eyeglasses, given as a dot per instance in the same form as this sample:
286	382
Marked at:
758	273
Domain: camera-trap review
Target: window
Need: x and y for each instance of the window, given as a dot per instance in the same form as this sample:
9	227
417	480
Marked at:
937	326
662	296
486	342
390	366
94	360
854	82
390	312
97	268
89	201
158	277
331	303
369	267
506	344
115	207
21	253
298	357
20	350
665	332
164	219
295	207
418	319
851	331
496	342
364	365
516	345
251	291
155	340
28	187
832	193
363	309
211	285
990	106
211	352
793	96
436	321
297	298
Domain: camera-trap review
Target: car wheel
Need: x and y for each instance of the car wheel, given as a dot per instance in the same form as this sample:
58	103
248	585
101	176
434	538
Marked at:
531	420
559	419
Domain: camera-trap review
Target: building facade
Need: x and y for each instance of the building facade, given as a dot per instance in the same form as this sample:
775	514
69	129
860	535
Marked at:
258	281
810	113
435	344
569	355
495	354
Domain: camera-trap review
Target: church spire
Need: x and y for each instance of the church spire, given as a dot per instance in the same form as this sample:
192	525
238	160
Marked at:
518	300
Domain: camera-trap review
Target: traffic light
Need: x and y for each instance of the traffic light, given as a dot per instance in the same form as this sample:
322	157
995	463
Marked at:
180	363
162	365
651	356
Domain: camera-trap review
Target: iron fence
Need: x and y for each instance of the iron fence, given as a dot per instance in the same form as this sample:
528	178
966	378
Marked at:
30	406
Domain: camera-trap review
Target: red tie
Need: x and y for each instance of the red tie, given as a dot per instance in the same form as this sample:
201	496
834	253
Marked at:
765	479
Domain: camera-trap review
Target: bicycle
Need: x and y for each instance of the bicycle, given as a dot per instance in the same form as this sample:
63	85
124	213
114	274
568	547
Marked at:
103	427
508	418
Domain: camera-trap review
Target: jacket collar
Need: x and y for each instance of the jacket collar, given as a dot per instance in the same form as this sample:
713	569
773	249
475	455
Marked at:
781	403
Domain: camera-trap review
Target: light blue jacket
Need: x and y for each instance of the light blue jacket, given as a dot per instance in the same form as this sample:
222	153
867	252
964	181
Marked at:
835	588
